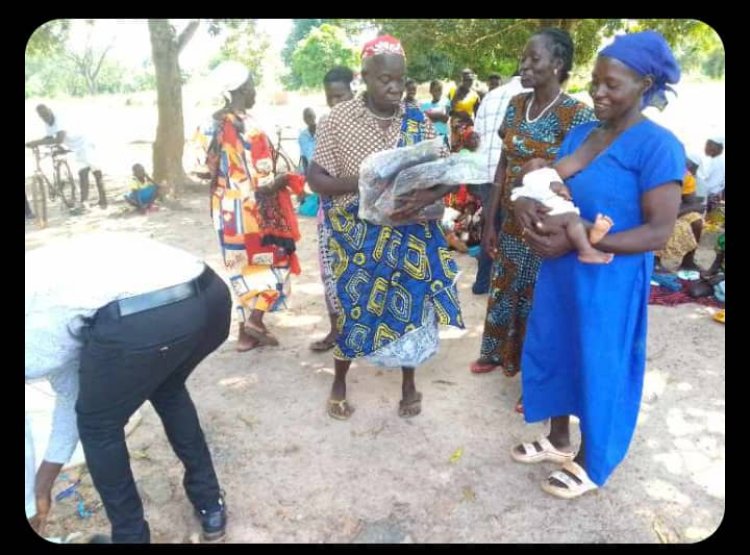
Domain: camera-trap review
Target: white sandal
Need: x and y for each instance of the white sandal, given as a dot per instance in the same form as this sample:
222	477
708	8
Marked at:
572	488
533	455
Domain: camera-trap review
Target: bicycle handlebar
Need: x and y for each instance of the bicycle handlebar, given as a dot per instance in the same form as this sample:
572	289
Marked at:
54	150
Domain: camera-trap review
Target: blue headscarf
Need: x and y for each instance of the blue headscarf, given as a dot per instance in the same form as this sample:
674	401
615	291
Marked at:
647	53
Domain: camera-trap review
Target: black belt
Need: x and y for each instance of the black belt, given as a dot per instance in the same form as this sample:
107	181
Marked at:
161	297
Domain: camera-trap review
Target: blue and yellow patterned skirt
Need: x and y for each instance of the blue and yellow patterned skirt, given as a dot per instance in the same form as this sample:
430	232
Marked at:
394	285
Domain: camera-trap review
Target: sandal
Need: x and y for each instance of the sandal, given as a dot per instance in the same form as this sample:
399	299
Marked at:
406	409
544	452
478	367
574	487
323	345
264	338
340	409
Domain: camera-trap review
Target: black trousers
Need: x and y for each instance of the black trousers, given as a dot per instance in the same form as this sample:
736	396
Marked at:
148	356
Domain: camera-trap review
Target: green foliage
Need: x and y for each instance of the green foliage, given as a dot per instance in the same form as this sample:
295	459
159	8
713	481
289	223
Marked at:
324	47
487	45
54	76
243	43
301	28
48	38
426	66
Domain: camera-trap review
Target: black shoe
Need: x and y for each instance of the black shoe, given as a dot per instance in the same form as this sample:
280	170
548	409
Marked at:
214	521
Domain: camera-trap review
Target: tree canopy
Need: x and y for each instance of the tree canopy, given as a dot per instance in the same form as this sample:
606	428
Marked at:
442	47
324	47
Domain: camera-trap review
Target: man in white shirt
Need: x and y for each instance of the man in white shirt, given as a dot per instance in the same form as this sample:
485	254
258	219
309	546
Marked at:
710	176
60	132
489	119
113	320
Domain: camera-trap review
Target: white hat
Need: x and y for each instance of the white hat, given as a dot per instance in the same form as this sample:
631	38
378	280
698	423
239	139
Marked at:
717	138
229	76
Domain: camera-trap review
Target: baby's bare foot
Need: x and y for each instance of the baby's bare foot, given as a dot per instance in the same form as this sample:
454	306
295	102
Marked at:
601	227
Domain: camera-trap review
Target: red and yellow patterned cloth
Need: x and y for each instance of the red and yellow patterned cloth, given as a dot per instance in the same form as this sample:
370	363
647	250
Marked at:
257	233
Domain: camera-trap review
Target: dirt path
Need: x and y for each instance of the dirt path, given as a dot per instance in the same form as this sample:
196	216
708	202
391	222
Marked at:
292	474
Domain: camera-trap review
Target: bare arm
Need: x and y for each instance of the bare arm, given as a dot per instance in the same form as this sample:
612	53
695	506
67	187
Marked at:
489	233
660	206
411	204
49	140
436	115
321	182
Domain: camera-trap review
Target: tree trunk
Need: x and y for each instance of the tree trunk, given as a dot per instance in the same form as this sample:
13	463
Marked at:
170	134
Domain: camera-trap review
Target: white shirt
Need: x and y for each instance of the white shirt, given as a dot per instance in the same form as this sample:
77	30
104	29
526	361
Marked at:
74	139
490	117
74	278
710	176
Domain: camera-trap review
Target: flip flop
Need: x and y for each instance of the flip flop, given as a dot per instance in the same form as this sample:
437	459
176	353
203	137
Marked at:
477	367
345	408
572	488
533	454
719	316
322	345
265	339
404	406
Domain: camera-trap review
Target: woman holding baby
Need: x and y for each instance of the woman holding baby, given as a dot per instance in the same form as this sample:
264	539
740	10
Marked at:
585	347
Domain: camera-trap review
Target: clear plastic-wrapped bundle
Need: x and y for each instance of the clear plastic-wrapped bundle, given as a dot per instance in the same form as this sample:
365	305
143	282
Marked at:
387	163
457	169
378	197
377	172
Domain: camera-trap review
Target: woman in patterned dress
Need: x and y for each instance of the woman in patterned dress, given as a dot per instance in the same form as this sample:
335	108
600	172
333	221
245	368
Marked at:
394	284
535	125
251	209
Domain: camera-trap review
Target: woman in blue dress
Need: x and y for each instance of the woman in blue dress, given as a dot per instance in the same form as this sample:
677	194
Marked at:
585	349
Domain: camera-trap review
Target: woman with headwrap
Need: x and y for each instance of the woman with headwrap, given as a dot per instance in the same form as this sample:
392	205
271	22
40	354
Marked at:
585	348
394	284
251	208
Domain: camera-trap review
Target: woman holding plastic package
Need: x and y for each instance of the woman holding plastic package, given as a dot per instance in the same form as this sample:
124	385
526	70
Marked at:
394	284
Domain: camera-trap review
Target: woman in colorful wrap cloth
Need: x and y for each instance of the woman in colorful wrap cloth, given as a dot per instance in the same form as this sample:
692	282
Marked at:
585	348
251	208
394	284
535	125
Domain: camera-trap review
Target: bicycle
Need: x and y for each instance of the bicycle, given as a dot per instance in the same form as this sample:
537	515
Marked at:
63	183
282	161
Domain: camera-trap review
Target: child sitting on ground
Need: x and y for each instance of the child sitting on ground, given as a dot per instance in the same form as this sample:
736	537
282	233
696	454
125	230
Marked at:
143	190
461	224
545	184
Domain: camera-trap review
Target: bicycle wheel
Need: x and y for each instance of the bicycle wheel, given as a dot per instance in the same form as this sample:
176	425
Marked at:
66	183
283	163
39	199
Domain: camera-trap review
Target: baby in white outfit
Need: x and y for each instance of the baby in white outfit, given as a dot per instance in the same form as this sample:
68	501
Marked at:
546	186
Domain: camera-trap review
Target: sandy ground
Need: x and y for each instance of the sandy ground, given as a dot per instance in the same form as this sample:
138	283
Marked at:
292	474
